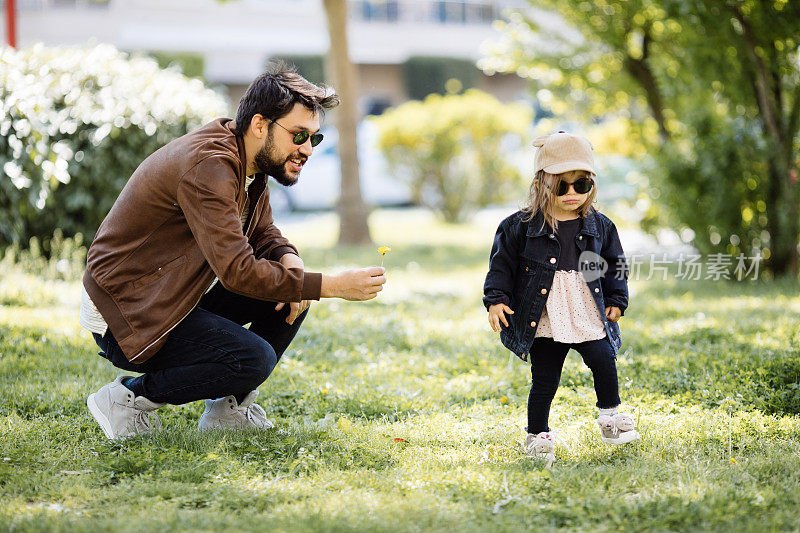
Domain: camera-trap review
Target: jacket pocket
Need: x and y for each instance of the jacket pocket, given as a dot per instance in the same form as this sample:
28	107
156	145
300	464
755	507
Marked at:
524	294
160	271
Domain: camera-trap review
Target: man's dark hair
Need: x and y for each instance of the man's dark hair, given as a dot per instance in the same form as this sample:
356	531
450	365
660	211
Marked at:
274	93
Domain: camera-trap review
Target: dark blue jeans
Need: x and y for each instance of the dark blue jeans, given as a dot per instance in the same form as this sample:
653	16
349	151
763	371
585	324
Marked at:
547	360
209	354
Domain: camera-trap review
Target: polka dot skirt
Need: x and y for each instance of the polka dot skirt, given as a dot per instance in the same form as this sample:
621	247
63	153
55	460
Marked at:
570	314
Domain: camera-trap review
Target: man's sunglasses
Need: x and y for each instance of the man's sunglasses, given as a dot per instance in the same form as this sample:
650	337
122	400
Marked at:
581	186
302	136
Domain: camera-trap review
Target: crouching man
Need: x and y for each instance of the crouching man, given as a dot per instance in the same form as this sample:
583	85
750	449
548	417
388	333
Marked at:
189	254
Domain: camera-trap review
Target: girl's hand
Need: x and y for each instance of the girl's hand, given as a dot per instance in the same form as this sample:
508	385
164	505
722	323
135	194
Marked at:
613	313
496	315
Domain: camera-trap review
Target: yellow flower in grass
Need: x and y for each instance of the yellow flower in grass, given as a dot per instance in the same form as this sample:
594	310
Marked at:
504	400
382	250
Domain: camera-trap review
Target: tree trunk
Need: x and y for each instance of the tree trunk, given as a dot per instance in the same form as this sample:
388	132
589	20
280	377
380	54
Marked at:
353	228
782	209
782	213
642	73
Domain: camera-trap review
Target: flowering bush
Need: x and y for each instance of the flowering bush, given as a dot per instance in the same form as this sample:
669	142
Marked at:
74	124
456	151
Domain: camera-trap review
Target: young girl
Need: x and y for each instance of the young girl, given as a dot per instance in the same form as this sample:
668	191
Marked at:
558	280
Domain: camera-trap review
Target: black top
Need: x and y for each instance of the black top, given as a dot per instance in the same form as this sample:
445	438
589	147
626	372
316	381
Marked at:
566	233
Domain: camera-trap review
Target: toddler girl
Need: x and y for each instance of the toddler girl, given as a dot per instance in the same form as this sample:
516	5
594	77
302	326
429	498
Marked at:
558	280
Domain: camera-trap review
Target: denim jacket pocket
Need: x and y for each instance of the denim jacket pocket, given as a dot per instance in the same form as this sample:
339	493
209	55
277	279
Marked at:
525	285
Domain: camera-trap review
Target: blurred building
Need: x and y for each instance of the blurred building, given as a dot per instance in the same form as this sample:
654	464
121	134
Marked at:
403	49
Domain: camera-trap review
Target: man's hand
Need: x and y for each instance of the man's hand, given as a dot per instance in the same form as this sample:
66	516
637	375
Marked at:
358	284
613	313
497	315
295	308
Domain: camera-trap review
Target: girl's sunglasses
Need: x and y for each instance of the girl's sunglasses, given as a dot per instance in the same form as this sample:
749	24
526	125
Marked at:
302	136
581	186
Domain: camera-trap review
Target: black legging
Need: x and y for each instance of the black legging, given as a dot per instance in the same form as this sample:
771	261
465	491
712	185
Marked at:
547	360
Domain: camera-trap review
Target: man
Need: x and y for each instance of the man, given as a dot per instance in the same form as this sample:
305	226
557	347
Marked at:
189	254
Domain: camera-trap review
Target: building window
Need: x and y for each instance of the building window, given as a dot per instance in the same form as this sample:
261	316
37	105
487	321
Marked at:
36	5
463	11
480	13
429	11
376	105
450	12
379	10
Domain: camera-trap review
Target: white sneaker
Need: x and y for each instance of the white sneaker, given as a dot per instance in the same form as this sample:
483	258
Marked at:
541	444
226	413
120	413
617	428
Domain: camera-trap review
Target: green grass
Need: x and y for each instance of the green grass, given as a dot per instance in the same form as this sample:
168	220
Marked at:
710	369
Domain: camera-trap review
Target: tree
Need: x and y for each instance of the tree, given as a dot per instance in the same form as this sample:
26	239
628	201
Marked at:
679	70
353	228
760	71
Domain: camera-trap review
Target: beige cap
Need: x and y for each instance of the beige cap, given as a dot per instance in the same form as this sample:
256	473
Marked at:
562	152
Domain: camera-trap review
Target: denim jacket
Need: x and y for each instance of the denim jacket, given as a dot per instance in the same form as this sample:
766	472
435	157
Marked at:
522	265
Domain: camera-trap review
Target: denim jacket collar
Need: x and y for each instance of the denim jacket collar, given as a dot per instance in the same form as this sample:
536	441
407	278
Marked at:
537	227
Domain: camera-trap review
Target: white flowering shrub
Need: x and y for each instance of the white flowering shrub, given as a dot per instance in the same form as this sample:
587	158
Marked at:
74	124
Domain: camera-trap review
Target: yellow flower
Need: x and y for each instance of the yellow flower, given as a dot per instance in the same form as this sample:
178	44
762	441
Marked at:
382	250
504	400
733	460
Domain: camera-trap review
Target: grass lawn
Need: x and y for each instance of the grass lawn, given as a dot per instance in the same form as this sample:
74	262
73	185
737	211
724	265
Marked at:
405	413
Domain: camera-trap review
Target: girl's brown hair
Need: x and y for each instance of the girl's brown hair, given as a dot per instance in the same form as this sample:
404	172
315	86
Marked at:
542	197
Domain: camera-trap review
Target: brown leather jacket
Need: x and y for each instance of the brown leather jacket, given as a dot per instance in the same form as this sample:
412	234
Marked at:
177	224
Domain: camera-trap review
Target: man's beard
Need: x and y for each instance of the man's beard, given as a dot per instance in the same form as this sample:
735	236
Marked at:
270	163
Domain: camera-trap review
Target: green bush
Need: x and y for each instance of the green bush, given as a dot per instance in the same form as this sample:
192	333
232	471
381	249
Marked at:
192	65
74	124
54	258
424	75
456	151
311	67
